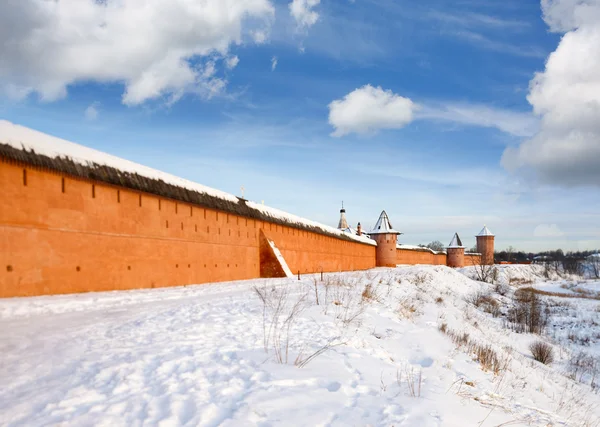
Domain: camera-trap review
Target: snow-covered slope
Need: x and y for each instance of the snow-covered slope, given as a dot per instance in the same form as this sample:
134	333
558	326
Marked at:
210	355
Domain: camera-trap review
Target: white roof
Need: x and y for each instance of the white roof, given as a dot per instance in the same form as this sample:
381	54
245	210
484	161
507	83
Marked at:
485	232
456	242
349	230
383	226
343	221
417	248
21	137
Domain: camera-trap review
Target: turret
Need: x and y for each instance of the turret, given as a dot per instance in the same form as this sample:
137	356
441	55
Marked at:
343	224
359	229
456	253
485	245
386	237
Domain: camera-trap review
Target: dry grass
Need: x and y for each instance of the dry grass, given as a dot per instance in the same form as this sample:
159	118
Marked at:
519	281
485	302
370	293
580	293
279	316
484	354
407	308
421	278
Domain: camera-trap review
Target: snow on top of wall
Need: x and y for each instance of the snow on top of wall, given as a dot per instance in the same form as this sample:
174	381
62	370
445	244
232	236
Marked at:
23	138
278	214
418	248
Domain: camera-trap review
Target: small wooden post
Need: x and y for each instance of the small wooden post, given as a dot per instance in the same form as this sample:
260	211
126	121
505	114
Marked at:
321	275
298	274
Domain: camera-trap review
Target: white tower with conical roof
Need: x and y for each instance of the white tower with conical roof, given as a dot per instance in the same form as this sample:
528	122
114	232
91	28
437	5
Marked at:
387	238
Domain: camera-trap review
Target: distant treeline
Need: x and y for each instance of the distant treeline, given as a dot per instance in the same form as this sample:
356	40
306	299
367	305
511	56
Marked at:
511	255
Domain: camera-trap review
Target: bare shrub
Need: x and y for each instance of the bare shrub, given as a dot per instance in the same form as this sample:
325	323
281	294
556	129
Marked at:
443	327
485	302
370	293
542	352
583	367
572	266
348	307
421	278
594	265
527	313
407	308
484	272
439	300
501	289
279	316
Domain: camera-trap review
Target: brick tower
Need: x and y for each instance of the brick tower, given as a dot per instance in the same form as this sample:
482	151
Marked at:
386	237
456	253
485	245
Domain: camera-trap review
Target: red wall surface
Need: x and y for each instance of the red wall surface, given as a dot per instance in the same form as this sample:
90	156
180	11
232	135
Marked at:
60	234
472	259
412	257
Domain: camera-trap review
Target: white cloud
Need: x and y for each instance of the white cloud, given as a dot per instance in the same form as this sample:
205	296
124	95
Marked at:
232	62
273	63
259	36
302	11
566	96
547	230
472	19
155	48
92	112
368	109
511	122
483	42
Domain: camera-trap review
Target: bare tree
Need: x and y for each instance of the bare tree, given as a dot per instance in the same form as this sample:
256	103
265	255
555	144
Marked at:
436	245
594	262
483	272
509	253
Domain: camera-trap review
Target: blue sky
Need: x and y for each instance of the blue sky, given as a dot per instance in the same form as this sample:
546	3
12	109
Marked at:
449	81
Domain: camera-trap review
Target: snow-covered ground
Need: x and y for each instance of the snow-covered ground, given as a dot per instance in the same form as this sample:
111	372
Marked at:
376	349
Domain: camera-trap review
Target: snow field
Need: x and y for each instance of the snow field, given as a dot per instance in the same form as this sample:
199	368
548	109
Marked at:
240	354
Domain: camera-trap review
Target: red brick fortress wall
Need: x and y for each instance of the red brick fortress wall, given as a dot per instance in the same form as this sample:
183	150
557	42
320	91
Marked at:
472	259
413	257
60	234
